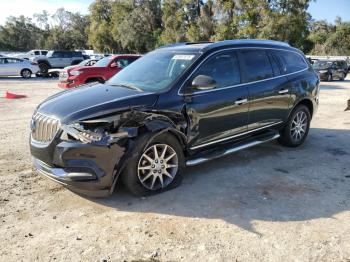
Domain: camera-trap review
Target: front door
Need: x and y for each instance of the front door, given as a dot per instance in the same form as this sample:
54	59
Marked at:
221	113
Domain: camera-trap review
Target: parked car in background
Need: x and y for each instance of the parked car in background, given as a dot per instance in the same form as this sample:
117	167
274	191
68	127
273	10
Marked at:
329	70
101	71
10	66
32	54
58	59
182	104
87	62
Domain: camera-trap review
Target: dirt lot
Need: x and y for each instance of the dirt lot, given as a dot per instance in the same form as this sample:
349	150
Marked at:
268	203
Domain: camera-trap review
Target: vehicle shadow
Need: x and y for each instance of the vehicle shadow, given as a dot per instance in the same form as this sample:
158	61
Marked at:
32	79
266	183
334	85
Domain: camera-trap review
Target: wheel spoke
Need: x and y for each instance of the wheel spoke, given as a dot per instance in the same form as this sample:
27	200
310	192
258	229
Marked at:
148	158
170	157
153	181
145	168
171	166
166	173
146	177
164	151
155	152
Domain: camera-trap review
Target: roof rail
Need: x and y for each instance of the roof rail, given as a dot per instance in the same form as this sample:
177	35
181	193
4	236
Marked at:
186	43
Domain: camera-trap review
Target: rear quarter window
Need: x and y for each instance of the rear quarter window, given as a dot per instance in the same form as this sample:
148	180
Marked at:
291	62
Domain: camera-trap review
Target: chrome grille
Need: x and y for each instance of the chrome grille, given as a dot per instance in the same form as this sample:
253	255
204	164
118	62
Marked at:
44	128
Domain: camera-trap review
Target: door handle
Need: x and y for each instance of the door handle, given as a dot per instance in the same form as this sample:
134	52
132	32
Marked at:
241	101
283	91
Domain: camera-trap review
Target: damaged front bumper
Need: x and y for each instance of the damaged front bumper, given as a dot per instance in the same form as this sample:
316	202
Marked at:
86	168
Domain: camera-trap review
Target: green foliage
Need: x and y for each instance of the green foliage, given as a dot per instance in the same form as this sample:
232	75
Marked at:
139	26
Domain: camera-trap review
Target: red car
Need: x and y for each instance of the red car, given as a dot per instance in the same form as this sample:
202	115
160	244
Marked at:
99	72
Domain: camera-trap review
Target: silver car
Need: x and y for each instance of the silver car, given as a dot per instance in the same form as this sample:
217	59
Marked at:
10	66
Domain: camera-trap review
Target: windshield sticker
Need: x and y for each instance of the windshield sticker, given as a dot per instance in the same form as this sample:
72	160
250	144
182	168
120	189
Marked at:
183	57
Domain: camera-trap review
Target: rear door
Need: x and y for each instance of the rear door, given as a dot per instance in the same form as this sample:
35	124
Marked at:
269	91
221	113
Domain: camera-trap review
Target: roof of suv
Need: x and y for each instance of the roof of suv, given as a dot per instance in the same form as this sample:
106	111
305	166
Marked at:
205	46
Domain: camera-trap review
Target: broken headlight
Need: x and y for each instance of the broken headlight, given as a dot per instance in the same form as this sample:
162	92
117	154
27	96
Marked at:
94	130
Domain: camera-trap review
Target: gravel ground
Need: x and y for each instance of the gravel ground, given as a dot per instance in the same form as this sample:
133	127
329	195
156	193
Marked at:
268	203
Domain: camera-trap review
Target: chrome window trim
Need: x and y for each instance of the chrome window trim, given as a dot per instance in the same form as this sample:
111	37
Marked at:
233	136
242	84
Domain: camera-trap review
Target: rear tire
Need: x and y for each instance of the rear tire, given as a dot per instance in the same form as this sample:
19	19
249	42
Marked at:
26	73
148	172
297	128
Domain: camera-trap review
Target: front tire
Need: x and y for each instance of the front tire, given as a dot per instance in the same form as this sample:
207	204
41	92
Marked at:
297	127
44	68
155	165
26	73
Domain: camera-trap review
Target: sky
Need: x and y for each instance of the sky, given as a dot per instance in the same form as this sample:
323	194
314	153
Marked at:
321	9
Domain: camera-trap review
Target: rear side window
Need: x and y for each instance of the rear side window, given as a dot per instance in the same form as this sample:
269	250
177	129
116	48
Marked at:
44	52
291	61
223	68
256	64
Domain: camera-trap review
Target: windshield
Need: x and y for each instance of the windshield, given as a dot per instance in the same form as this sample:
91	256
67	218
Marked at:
84	62
103	62
155	71
321	64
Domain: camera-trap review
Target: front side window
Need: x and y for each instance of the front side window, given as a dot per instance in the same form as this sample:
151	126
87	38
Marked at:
122	62
2	61
44	52
36	53
155	71
257	65
292	62
223	68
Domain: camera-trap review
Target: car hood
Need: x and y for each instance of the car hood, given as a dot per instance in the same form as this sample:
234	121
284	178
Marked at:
85	68
94	100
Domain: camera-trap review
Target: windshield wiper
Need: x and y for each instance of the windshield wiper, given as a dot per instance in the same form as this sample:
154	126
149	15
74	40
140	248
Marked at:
128	86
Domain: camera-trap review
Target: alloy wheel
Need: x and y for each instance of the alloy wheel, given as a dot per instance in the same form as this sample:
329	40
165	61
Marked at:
299	126
157	166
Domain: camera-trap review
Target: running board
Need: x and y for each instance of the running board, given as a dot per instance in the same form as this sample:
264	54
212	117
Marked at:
197	161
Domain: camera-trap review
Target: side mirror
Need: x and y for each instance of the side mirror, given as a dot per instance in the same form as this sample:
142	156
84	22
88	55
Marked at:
114	64
203	82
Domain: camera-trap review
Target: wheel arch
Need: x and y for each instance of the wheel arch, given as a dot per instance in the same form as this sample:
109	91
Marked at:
306	102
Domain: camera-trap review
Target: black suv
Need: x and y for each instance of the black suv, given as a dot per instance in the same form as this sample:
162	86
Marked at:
330	70
179	105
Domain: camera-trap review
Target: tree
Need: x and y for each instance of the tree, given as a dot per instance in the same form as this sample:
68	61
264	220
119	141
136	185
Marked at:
99	31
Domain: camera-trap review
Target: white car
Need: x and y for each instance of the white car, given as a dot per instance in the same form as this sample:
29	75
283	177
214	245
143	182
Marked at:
10	66
32	54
